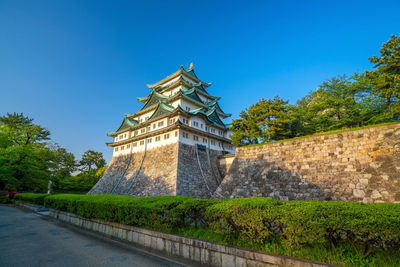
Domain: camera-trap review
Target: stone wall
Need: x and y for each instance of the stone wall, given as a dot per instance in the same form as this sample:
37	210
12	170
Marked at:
167	170
225	163
198	174
157	175
361	165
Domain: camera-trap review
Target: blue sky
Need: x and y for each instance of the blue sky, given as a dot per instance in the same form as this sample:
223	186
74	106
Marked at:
76	67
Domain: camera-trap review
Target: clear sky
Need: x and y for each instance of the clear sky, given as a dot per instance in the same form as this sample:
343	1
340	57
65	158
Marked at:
76	67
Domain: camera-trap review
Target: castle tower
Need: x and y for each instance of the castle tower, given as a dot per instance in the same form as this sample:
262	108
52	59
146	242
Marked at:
169	146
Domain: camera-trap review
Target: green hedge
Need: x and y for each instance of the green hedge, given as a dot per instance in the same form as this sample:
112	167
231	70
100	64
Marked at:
341	232
33	198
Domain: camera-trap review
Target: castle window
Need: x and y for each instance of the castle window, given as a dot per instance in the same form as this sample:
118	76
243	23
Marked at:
116	149
206	128
195	123
205	140
161	124
195	138
185	135
134	144
166	136
142	142
143	130
212	142
185	121
158	138
149	140
122	147
187	109
212	130
128	145
136	133
176	133
124	135
201	126
154	126
171	121
148	129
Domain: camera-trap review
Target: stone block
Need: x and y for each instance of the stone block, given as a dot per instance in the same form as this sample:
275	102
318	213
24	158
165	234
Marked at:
215	258
204	256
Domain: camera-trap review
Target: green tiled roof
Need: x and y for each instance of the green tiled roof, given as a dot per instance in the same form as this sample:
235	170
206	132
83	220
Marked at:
153	99
210	114
191	72
193	95
161	110
214	104
126	124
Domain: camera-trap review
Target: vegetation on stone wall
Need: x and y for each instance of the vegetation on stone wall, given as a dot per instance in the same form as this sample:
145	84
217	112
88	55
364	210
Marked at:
341	102
347	233
29	159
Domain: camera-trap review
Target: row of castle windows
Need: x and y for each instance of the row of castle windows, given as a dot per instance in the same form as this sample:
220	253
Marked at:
141	143
196	138
160	124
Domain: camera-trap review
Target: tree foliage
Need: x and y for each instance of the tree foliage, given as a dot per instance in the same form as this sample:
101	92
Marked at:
340	102
92	159
28	159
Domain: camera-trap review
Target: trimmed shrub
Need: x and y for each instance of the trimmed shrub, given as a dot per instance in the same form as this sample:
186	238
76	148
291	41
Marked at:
335	228
33	198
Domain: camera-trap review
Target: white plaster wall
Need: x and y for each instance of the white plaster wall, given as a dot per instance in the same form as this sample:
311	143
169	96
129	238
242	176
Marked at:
150	145
185	104
144	116
122	136
188	80
171	81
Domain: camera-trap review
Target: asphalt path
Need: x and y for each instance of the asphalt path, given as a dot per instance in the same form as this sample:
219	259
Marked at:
30	239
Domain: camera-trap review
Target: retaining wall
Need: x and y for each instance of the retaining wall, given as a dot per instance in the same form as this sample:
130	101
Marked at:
166	170
361	165
199	252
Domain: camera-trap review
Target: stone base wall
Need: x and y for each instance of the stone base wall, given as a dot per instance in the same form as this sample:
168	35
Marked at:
198	174
361	165
225	163
157	174
167	170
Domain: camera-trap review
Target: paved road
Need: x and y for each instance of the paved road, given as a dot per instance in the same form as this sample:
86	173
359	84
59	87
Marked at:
29	239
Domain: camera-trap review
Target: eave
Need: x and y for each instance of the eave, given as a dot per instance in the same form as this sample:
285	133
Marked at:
176	125
181	95
181	71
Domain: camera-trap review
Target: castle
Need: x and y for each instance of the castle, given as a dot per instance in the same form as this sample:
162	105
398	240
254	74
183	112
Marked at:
178	144
169	146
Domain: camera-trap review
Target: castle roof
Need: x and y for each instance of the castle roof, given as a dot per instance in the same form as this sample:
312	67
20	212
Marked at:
159	103
189	73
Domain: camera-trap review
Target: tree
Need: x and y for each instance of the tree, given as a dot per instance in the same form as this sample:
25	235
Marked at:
262	122
24	158
331	106
22	131
92	158
386	76
63	163
245	130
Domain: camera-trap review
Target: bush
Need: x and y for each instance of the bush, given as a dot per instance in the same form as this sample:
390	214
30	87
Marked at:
337	232
33	198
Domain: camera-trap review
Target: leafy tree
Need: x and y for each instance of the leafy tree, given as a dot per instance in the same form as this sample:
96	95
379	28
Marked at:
23	153
64	163
22	131
332	106
92	159
264	121
272	118
245	130
386	76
